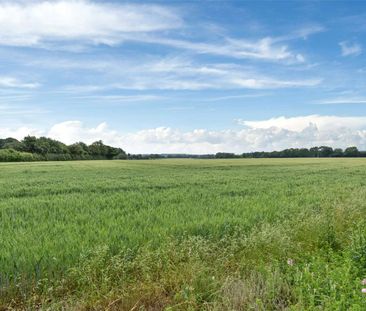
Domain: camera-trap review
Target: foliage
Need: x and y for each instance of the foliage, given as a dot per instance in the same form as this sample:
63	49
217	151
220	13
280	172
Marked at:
47	149
11	155
10	143
266	234
314	152
351	152
225	155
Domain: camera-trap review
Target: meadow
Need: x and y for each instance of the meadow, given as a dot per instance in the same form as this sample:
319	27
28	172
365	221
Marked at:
240	234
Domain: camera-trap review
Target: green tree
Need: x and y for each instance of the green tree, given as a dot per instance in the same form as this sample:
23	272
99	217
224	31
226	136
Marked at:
29	144
314	152
98	148
10	143
325	151
79	149
337	152
351	152
225	155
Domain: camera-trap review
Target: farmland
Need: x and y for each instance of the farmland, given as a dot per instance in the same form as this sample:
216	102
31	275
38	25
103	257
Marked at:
241	234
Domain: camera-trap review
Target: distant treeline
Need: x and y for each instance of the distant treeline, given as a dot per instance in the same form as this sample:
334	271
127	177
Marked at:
46	149
170	156
314	152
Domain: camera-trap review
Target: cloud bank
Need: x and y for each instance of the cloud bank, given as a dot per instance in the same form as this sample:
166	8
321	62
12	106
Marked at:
273	134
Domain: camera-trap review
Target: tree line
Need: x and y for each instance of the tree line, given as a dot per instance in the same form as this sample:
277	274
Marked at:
32	148
314	152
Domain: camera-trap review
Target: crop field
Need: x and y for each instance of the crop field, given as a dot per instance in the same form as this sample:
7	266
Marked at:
241	234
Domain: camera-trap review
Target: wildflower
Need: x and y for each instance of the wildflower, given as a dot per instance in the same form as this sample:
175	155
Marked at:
363	282
363	290
290	262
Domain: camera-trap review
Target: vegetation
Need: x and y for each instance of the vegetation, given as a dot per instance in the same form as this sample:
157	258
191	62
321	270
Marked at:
315	152
10	155
46	149
255	234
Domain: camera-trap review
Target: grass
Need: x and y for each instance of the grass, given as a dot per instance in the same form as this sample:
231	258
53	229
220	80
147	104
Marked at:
183	235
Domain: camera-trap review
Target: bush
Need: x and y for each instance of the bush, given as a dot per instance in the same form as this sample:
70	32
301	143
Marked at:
11	155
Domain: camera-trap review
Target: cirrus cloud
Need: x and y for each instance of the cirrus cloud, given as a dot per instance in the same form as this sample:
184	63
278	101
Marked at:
35	23
11	82
75	23
350	49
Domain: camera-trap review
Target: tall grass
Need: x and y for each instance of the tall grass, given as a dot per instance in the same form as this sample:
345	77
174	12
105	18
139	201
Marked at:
184	235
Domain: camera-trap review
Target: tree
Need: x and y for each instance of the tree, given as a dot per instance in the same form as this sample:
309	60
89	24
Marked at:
112	152
98	148
29	144
314	152
351	152
325	151
10	143
225	155
43	145
79	149
337	152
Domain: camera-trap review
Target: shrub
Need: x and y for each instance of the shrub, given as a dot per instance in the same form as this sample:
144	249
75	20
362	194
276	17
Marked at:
11	155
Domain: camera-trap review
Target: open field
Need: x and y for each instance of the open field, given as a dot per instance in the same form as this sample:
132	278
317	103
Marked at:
244	234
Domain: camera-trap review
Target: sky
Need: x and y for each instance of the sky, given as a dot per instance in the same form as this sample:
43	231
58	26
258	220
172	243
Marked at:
185	76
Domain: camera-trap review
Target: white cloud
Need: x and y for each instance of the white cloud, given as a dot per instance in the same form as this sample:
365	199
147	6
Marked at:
297	124
75	23
19	133
344	100
228	97
183	74
270	83
267	48
305	31
262	49
273	134
37	22
73	131
349	49
11	82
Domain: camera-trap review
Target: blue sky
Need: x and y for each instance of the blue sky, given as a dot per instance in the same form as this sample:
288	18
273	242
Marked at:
185	76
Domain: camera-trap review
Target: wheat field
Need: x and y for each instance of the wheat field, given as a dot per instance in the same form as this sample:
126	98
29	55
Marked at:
241	234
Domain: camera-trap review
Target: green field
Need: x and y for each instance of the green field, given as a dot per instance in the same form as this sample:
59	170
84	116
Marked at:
243	234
